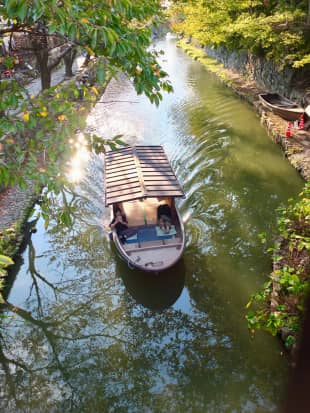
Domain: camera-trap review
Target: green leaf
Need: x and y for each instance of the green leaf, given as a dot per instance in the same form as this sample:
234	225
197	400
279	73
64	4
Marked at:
22	10
94	39
52	28
117	137
66	218
5	261
101	75
72	32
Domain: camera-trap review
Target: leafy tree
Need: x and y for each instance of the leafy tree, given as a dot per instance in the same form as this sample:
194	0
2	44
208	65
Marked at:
278	30
35	131
119	30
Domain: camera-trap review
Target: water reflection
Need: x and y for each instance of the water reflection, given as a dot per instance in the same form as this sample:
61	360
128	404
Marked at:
154	291
86	333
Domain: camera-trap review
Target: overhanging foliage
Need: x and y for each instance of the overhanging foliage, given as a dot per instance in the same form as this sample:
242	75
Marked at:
277	30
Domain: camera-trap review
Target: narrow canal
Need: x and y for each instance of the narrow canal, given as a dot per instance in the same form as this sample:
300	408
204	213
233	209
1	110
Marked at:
87	334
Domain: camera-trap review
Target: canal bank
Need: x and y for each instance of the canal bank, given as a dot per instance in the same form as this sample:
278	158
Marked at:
297	147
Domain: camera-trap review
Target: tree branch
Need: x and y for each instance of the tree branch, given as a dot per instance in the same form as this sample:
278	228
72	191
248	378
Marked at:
54	62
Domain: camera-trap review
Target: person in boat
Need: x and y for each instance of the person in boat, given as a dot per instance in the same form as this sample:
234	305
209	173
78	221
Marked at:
164	217
164	224
164	210
119	222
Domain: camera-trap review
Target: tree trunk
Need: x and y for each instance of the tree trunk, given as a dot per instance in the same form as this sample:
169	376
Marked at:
69	59
40	46
45	72
46	78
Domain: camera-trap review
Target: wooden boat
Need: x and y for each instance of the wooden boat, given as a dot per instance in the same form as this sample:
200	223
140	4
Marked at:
138	180
281	106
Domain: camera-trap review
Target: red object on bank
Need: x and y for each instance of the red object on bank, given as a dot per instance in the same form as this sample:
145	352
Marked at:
301	124
288	130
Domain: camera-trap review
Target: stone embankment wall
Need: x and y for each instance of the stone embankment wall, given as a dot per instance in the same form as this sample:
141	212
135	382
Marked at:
235	75
289	82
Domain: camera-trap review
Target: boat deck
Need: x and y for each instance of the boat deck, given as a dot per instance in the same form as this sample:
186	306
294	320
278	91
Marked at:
154	254
146	248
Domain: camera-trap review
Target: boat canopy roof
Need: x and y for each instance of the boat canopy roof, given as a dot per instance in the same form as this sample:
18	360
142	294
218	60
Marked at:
139	172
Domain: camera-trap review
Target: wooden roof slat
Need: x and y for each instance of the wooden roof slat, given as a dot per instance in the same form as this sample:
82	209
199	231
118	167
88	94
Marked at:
156	165
154	156
125	181
118	178
139	172
158	173
119	165
150	169
119	154
123	172
113	165
113	162
121	187
123	198
154	159
155	181
125	191
122	167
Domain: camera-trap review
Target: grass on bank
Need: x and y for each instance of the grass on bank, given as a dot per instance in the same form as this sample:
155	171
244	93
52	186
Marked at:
200	55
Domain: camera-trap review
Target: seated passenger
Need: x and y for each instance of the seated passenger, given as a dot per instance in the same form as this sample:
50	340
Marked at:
119	222
164	224
164	210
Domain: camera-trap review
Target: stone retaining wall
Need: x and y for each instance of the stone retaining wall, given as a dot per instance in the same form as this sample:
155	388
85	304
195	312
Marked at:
297	147
289	82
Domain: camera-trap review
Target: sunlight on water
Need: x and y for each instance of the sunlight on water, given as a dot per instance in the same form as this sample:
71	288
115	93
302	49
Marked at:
77	165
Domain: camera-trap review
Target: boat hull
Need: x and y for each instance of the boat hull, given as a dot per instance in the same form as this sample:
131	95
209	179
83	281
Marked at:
281	106
159	256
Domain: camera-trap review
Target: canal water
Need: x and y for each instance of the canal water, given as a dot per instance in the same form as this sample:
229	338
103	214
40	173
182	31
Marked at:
84	333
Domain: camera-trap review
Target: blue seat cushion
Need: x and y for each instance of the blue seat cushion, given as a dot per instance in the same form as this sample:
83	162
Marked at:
150	233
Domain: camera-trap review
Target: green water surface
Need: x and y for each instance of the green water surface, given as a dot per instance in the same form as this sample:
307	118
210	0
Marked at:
87	334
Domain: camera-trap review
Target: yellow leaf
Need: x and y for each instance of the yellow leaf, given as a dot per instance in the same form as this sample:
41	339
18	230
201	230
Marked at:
26	116
95	91
89	51
43	113
61	117
84	20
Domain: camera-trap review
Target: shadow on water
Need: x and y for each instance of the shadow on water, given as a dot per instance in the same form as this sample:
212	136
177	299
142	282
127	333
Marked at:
28	229
156	292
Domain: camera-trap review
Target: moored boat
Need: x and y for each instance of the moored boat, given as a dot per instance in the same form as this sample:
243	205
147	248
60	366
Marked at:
281	106
139	182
